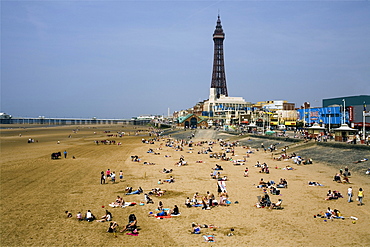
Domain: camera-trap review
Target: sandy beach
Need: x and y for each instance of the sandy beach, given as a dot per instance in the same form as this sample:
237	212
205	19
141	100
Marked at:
36	191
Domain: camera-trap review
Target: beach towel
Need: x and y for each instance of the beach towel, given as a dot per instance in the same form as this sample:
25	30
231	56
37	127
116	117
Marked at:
129	204
165	209
163	217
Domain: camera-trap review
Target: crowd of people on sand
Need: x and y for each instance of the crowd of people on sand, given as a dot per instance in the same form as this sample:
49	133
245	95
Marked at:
107	142
330	214
90	217
165	212
342	176
209	200
264	168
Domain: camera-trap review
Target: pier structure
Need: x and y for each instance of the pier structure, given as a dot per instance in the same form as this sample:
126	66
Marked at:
71	121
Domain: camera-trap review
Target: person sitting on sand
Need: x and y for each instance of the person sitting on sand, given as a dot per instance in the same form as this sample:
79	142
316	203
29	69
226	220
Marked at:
187	202
106	217
132	223
336	214
345	179
157	192
204	203
160	206
175	211
265	201
332	195
79	216
69	214
329	213
217	167
196	228
274	190
223	199
112	227
277	204
337	178
346	172
148	199
283	183
261	183
118	202
89	216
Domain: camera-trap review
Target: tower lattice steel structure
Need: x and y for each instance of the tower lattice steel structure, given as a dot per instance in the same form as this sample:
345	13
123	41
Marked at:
218	74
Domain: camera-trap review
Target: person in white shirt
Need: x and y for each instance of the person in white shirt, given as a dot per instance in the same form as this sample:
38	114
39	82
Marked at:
349	192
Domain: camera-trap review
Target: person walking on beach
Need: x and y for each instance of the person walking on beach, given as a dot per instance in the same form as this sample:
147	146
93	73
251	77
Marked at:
360	196
102	177
65	154
349	192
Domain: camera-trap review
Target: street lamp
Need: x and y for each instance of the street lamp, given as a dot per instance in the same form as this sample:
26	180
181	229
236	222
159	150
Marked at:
364	123
329	120
344	111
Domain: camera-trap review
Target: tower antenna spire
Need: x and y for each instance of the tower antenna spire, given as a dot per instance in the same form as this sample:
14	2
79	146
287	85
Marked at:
218	74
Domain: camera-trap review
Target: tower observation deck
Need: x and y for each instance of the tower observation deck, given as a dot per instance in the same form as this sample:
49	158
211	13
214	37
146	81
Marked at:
218	74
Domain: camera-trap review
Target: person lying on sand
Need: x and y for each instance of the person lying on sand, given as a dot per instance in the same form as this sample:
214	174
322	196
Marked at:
167	170
359	161
136	192
170	180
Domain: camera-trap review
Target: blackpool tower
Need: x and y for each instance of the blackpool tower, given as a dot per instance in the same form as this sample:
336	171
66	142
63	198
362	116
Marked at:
218	74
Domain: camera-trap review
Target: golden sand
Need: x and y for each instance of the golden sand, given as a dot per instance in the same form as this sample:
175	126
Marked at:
35	192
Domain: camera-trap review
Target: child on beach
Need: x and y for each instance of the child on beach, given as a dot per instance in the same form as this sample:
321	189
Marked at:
120	174
246	172
113	177
79	216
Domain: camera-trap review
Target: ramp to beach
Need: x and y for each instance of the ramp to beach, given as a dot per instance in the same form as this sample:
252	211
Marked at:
205	135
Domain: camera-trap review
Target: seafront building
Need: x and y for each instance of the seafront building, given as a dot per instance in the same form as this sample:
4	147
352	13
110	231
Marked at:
221	110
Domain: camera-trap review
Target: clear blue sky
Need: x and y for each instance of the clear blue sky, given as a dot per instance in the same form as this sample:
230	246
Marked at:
118	59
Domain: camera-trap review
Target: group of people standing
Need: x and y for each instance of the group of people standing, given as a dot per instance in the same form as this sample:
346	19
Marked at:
360	195
104	176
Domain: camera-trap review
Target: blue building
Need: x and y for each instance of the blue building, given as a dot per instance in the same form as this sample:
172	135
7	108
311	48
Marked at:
325	115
